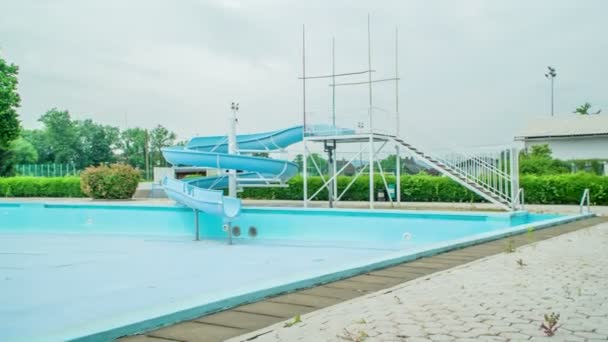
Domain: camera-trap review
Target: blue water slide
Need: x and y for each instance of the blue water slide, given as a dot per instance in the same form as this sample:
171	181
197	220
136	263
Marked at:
211	152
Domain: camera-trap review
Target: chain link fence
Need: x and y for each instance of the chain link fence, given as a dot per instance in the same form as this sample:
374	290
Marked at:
46	170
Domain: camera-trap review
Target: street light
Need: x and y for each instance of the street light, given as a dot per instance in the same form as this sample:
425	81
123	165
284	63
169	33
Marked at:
551	75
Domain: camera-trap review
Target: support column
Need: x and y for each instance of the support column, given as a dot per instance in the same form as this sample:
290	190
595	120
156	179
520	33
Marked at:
398	175
371	171
196	226
514	168
305	174
232	149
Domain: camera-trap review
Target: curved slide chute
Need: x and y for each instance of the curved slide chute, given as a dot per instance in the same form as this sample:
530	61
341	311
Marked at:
211	152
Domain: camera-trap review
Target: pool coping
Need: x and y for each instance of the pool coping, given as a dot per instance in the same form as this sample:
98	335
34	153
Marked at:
195	311
177	207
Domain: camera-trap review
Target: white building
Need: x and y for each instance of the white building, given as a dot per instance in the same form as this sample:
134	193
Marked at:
574	137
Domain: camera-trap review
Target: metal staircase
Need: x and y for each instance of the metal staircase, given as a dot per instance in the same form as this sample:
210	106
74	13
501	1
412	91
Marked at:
491	174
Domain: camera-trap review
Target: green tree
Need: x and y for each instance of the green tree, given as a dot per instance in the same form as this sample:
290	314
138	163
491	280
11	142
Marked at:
584	109
133	146
9	120
539	161
322	163
96	143
61	141
23	152
38	139
160	137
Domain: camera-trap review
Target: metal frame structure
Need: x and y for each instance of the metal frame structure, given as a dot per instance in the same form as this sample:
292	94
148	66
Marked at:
369	137
491	174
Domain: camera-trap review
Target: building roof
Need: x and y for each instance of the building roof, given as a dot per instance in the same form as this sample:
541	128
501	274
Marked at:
574	125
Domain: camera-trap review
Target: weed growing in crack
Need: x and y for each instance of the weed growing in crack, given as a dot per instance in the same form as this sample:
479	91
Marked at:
510	248
550	325
520	263
530	235
354	337
297	319
361	321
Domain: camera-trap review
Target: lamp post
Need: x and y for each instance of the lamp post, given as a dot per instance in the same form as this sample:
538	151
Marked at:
232	148
551	75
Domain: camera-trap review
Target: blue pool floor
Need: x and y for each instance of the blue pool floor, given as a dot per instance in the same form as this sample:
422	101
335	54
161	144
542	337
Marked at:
60	286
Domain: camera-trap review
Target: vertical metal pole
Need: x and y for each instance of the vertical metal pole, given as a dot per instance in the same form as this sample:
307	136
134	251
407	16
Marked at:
232	149
397	122
371	171
229	225
303	79
305	155
196	226
335	170
305	174
333	82
514	161
330	187
369	71
552	95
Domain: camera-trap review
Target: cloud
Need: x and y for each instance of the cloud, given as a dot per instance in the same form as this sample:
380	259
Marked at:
472	71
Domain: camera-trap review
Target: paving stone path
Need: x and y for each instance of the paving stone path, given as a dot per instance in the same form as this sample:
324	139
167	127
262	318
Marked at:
498	298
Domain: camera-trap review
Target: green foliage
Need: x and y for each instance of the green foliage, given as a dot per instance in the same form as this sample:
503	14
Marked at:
587	165
133	143
538	161
546	189
96	143
9	121
40	187
159	138
584	109
565	188
116	181
313	158
61	143
23	152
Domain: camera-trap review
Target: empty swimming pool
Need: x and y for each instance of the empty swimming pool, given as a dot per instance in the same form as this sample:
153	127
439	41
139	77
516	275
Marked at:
94	272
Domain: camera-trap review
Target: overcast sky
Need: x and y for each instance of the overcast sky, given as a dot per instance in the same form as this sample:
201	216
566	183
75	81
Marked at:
471	71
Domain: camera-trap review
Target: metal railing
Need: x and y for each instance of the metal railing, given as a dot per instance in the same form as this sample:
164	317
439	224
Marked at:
585	204
521	200
493	170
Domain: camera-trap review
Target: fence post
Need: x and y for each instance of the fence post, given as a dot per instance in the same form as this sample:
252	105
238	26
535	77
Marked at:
514	165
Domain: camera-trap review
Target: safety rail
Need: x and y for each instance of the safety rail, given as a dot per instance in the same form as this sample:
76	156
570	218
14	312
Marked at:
492	174
585	204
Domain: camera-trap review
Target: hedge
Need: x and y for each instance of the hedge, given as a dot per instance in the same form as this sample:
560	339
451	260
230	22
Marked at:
40	187
546	189
549	189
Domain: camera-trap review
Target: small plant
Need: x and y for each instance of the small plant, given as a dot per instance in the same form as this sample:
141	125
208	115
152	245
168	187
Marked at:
530	235
297	319
549	326
354	337
361	321
510	246
521	263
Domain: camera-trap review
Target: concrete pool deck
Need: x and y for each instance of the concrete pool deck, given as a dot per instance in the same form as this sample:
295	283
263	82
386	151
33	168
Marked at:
442	297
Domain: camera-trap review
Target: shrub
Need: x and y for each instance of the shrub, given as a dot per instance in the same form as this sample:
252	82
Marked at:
40	187
117	181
